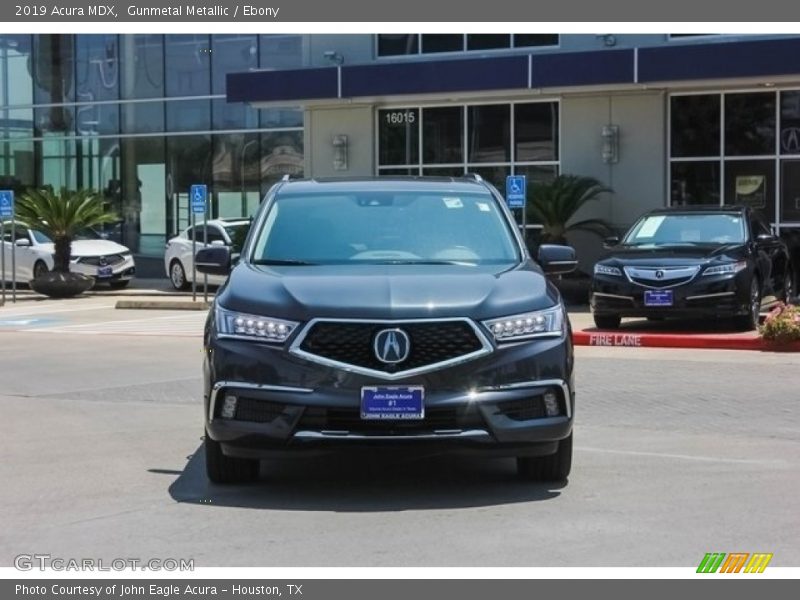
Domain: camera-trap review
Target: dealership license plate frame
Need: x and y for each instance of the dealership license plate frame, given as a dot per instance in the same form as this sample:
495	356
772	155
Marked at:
376	403
659	298
105	272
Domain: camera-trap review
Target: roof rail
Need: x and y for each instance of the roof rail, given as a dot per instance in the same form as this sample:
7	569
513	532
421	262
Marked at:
286	177
474	176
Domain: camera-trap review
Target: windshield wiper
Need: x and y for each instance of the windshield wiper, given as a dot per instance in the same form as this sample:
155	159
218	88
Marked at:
421	262
282	261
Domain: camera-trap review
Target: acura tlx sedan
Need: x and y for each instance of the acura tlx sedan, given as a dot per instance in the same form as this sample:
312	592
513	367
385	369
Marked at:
696	262
387	311
107	261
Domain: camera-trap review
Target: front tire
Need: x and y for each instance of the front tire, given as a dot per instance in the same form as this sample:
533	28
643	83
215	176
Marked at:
749	321
607	321
554	467
227	469
39	269
177	275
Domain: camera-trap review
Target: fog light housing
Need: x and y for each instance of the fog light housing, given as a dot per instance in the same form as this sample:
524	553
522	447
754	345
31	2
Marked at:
551	407
229	407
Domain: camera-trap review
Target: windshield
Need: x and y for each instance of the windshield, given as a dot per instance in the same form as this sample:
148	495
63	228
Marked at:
40	238
686	229
87	234
385	227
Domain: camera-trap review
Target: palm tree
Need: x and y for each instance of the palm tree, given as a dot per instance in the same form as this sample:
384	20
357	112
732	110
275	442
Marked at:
553	205
60	216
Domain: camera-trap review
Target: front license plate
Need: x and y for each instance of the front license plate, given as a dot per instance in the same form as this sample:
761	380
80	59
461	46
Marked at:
105	271
393	402
658	298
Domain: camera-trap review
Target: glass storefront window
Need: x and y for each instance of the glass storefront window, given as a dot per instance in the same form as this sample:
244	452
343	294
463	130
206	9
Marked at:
54	120
442	42
695	129
142	117
751	183
53	68
17	165
144	195
790	191
489	129
484	41
443	134
443	171
536	131
749	124
142	58
188	63
535	39
398	136
494	175
281	154
695	183
397	44
536	173
790	123
16	83
188	115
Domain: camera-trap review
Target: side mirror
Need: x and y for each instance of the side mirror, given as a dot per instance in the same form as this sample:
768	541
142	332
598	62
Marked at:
557	259
611	241
217	243
214	260
766	238
22	243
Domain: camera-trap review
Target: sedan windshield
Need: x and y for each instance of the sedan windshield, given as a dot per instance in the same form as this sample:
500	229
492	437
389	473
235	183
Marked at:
671	229
385	228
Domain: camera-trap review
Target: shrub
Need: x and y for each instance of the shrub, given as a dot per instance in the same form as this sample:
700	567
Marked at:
782	325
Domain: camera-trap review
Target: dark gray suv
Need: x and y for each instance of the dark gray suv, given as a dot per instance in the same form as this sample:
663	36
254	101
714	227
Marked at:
371	312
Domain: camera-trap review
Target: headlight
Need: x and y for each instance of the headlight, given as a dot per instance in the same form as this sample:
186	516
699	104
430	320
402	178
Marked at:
726	269
266	329
543	323
606	270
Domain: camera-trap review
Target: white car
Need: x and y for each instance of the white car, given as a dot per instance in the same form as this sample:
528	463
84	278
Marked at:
178	258
106	261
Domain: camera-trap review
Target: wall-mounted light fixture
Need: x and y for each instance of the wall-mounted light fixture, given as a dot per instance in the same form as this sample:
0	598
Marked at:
339	152
333	57
610	134
608	39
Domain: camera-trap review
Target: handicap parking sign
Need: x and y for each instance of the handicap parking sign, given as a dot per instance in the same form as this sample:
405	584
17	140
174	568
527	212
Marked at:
515	191
6	204
198	194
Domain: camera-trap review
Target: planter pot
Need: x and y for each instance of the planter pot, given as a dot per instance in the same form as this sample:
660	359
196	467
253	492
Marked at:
61	285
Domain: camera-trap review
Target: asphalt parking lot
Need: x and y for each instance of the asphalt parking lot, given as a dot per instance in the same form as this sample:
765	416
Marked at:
678	453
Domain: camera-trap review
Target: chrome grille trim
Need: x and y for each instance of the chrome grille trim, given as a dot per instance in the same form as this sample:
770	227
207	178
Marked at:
667	280
486	347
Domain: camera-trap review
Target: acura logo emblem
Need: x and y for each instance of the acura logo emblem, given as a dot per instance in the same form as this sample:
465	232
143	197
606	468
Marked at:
659	274
392	345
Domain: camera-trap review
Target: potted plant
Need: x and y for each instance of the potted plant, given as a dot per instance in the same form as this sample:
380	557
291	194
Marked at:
781	328
553	206
60	216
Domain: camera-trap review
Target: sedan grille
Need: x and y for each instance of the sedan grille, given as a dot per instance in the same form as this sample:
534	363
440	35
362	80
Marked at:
102	261
430	342
661	277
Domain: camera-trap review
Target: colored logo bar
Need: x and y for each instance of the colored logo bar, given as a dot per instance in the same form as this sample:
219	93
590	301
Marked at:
735	562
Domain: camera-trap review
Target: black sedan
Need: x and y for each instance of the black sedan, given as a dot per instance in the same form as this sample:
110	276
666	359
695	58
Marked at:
692	262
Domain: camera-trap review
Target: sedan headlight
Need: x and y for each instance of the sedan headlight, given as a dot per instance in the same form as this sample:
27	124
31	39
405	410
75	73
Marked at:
542	323
726	269
600	269
265	329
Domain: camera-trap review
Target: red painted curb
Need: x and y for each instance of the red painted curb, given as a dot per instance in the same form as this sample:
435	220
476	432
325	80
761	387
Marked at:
674	340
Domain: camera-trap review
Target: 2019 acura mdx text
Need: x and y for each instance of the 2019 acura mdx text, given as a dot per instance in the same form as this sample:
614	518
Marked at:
388	311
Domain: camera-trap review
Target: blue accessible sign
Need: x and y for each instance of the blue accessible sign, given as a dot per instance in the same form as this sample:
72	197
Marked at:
198	195
6	204
515	191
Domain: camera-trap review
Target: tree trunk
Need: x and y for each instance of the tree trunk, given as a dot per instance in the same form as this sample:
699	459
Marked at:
63	249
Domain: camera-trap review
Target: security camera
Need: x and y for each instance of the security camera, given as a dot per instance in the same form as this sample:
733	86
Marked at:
333	56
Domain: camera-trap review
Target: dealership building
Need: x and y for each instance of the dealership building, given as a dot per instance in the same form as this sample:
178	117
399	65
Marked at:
661	119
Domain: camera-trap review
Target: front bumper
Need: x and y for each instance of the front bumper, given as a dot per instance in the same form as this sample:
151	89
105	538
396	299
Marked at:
490	405
703	296
122	271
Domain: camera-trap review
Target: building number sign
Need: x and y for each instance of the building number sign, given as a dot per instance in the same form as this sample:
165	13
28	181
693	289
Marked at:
400	117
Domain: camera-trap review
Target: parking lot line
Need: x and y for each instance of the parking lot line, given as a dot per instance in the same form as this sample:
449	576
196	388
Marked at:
45	310
716	459
190	325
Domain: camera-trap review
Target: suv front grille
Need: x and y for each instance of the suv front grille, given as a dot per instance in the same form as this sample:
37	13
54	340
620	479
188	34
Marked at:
431	343
349	419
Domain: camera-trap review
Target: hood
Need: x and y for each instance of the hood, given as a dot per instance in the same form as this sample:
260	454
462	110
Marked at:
386	291
96	248
677	255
